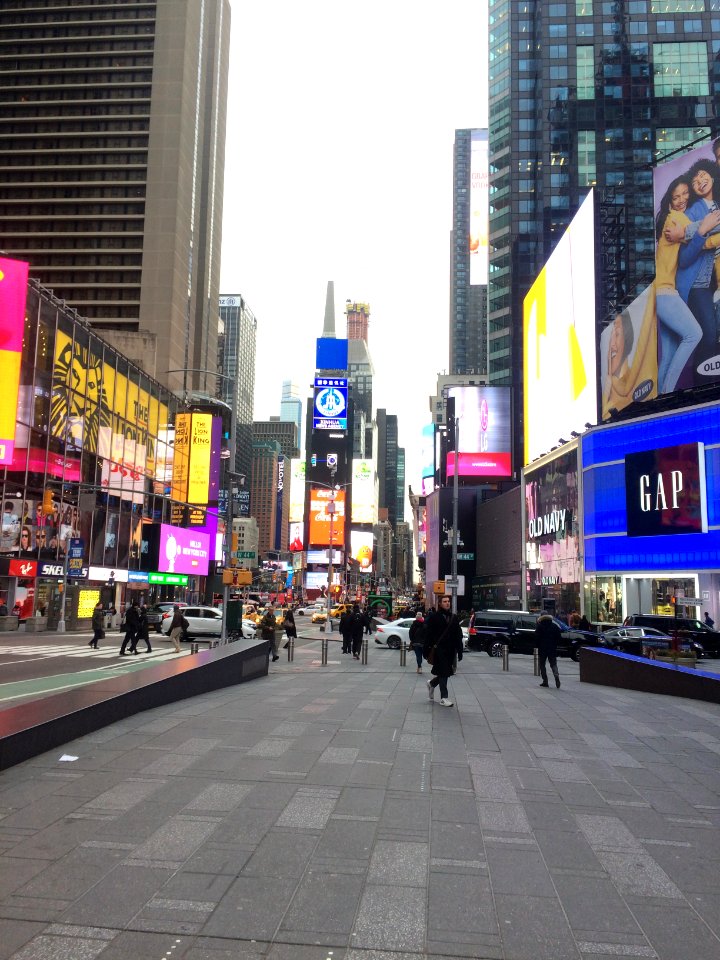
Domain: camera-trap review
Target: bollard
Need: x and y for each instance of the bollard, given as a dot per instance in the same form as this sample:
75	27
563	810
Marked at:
403	653
194	648
536	663
291	650
364	650
506	657
324	651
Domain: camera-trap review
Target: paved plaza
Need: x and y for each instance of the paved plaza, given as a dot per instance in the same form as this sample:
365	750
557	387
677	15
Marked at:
334	813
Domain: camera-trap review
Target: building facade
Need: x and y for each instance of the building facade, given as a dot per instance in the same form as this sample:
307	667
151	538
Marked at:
113	147
263	493
586	93
291	408
282	432
237	340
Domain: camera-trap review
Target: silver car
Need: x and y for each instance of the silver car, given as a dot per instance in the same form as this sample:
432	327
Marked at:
204	623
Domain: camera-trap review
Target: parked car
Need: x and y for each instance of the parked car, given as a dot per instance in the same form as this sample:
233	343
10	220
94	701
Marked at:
203	623
516	628
160	611
249	629
394	632
635	639
687	628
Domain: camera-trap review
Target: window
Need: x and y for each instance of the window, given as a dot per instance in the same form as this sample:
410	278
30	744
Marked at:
558	51
670	139
666	26
692	26
583	8
557	30
677	6
681	69
587	175
584	29
585	72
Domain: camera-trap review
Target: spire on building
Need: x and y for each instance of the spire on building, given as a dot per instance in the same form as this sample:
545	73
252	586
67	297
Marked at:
329	323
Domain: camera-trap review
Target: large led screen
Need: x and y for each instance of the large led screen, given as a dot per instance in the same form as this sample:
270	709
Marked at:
361	549
364	492
559	340
330	407
427	459
479	208
183	551
484	432
320	526
297	491
13	293
628	355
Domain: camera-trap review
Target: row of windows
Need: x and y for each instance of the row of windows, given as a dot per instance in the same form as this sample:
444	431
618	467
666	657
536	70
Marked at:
30	112
102	192
75	79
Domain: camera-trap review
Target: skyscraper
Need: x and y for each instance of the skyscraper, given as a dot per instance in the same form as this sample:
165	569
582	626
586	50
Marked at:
291	408
113	151
391	467
586	93
469	254
237	338
360	376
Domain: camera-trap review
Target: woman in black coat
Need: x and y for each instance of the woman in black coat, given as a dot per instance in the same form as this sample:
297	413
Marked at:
443	643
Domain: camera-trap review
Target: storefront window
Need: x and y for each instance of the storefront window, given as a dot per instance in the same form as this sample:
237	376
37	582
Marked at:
603	599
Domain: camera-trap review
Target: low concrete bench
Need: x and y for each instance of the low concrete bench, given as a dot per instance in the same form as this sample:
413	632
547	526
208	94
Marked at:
614	669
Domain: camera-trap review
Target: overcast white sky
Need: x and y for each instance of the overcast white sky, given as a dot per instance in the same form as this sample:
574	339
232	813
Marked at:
341	119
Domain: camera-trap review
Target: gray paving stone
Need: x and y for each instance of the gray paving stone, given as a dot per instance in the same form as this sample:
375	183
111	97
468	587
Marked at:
677	933
280	855
534	928
324	908
502	817
347	840
251	909
401	863
518	870
60	948
390	918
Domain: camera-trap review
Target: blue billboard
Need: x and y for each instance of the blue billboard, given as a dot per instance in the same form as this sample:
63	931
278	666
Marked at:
331	401
673	489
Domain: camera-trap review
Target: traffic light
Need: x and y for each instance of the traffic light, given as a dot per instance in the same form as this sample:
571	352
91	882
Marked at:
48	506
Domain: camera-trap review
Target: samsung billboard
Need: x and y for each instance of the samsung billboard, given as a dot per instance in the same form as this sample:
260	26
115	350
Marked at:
484	432
559	340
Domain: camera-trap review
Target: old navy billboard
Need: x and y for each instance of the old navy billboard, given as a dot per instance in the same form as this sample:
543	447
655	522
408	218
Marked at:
667	338
331	403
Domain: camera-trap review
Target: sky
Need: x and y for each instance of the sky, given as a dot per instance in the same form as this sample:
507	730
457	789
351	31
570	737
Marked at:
340	129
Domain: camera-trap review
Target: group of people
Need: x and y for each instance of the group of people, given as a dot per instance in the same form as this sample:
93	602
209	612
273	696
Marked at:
135	628
28	532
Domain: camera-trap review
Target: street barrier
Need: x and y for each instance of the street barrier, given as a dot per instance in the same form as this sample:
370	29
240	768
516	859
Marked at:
291	649
364	650
324	651
505	657
403	653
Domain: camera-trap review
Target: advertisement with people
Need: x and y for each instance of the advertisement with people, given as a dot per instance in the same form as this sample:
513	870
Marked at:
628	355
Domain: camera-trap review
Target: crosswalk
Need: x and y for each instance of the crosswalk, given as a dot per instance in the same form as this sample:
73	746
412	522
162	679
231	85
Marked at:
80	649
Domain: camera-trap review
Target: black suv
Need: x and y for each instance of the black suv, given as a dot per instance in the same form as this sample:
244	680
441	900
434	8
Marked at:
493	628
687	628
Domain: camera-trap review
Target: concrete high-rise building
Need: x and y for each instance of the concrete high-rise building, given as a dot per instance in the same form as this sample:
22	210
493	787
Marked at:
112	167
469	254
291	408
263	493
237	339
585	93
281	432
360	376
390	467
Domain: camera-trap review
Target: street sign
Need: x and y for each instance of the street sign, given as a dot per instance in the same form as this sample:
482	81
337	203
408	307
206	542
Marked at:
457	585
466	556
245	554
77	548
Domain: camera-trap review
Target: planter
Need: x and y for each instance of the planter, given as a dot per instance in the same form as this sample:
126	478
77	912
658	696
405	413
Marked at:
35	624
9	623
676	661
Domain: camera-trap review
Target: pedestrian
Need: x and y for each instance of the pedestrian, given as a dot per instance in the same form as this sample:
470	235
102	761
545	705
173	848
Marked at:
547	636
358	624
443	643
708	621
268	632
132	622
178	626
584	624
290	628
144	628
3	609
417	638
98	621
346	631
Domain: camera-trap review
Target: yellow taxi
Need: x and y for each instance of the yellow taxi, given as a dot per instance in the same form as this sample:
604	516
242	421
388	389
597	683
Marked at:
340	609
320	616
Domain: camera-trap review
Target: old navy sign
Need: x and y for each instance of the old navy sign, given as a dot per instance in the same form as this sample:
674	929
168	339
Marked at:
548	525
665	491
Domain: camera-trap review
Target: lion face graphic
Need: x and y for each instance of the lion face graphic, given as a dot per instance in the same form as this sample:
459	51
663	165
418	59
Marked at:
79	406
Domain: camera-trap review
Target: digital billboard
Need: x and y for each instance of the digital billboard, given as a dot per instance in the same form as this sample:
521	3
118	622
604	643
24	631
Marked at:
296	536
331	353
427	459
552	523
183	551
297	491
330	404
361	549
484	432
665	491
364	493
479	207
13	293
200	458
559	340
320	498
628	355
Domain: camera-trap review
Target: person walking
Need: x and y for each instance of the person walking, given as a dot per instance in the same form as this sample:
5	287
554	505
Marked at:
267	632
290	628
178	626
708	621
417	638
443	643
547	636
358	624
143	628
132	622
346	631
98	620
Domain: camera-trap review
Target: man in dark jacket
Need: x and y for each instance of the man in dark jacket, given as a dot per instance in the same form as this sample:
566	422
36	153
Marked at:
346	631
547	636
132	623
443	643
268	627
358	624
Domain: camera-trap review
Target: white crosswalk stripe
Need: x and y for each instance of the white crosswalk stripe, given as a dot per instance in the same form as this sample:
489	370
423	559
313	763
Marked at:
81	650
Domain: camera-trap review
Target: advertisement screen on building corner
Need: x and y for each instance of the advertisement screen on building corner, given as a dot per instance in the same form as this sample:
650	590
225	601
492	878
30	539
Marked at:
13	292
484	432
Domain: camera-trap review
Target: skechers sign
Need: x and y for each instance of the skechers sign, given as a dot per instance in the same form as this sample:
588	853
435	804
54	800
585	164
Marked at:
665	491
330	411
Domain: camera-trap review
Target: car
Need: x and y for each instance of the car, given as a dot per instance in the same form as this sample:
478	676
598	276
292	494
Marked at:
203	623
310	610
687	629
516	628
339	609
394	632
160	611
249	629
635	639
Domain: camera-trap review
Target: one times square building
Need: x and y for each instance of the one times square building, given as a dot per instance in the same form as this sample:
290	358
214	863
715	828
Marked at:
586	93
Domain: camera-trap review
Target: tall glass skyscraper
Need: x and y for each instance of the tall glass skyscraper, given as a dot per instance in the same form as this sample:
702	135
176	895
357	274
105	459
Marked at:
585	93
237	339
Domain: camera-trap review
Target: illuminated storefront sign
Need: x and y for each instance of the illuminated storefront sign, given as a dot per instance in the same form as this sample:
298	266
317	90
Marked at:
168	579
108	575
330	410
665	491
13	292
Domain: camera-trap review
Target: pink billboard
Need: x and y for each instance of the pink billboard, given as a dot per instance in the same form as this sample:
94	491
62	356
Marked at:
13	293
183	551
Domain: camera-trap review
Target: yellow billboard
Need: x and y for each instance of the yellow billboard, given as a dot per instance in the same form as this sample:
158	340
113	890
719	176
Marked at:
181	456
200	450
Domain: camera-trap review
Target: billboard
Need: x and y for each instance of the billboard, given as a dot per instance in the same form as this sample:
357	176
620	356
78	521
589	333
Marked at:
330	405
200	458
183	551
665	491
552	524
484	432
559	340
364	493
479	208
361	549
296	536
13	293
628	355
320	498
331	353
297	491
427	459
